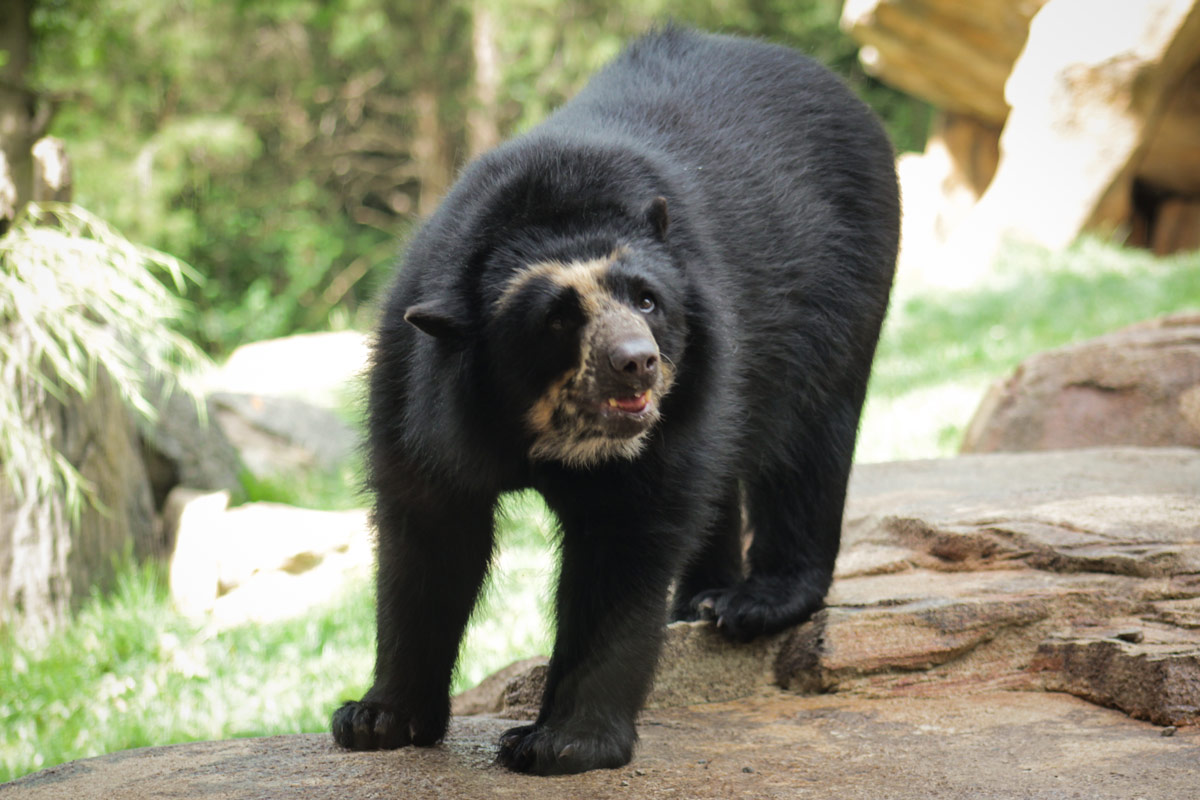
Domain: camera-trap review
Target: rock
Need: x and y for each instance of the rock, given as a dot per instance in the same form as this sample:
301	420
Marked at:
954	55
261	562
940	187
1137	386
1172	159
698	666
990	746
968	574
278	435
1093	99
912	636
319	368
1176	225
183	449
515	691
1083	110
277	400
189	518
1156	681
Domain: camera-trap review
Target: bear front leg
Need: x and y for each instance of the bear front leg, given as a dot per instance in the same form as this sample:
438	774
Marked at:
612	606
431	564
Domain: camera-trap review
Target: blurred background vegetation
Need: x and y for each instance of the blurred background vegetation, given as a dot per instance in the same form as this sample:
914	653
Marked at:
283	148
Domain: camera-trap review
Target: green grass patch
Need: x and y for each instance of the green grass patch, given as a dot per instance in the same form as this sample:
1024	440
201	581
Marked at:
128	671
338	489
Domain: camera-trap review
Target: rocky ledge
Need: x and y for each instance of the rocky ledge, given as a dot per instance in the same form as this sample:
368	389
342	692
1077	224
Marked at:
974	597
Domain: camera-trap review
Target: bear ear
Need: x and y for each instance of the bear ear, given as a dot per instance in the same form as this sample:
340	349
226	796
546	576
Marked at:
656	214
436	318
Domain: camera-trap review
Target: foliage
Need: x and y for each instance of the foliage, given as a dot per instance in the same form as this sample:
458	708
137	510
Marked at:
77	300
283	147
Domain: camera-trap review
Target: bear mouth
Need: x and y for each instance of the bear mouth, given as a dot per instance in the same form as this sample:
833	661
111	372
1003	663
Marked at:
626	416
581	424
638	405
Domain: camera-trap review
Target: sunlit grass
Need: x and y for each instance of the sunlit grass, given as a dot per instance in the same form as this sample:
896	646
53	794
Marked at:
513	618
941	349
128	671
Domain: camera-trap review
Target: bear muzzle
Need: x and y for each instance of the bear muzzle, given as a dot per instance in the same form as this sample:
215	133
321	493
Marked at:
626	374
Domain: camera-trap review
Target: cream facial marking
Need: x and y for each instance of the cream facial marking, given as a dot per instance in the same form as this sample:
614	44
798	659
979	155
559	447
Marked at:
587	415
584	276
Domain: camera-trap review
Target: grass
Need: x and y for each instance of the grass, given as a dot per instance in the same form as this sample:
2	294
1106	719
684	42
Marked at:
129	671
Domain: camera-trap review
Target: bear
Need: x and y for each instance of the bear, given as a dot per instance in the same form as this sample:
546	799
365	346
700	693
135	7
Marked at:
659	309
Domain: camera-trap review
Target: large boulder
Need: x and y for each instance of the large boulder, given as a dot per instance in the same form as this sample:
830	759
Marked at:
1056	117
956	55
1137	386
1084	109
260	562
186	447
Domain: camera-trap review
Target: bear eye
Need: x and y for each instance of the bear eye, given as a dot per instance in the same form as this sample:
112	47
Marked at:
646	303
555	323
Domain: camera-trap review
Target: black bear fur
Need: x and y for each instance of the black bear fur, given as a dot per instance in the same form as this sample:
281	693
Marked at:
729	210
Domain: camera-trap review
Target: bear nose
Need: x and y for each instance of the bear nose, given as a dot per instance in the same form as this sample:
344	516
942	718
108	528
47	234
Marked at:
635	357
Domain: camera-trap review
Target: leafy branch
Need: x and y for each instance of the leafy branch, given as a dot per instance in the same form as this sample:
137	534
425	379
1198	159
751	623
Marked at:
80	303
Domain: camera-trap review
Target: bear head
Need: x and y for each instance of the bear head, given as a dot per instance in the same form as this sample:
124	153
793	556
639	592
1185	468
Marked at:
579	334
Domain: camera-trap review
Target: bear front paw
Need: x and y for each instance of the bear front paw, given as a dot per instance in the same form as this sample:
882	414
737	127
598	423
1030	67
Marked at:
375	726
541	750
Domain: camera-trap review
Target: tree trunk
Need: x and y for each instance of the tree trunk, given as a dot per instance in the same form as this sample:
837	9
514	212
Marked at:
440	31
429	152
483	132
18	116
51	559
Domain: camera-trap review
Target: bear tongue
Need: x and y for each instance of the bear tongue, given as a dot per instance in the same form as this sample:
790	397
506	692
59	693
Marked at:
632	405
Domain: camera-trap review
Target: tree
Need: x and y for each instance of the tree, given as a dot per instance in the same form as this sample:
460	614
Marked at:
84	328
24	115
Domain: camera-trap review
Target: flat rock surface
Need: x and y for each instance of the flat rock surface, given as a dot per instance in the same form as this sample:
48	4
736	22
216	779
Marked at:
1074	571
1002	745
